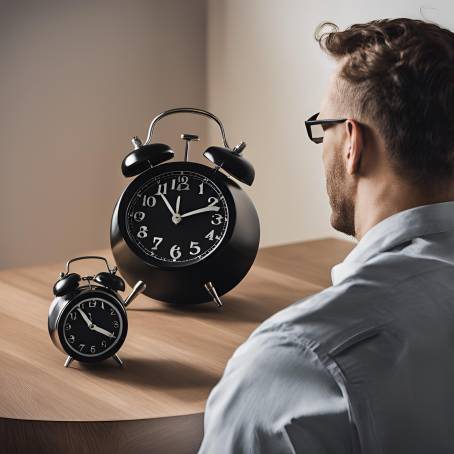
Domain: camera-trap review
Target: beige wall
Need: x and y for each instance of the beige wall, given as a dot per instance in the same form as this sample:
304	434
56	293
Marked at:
266	75
78	80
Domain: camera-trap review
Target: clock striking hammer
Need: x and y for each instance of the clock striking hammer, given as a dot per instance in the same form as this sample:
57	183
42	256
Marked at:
188	138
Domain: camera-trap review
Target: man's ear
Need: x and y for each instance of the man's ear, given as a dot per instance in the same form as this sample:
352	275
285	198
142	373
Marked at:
354	144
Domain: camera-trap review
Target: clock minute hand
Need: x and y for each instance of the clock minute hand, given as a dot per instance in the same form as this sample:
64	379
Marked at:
92	326
167	203
201	210
102	331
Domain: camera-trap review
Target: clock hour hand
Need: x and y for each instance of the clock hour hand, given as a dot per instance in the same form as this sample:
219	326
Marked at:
201	210
92	326
102	331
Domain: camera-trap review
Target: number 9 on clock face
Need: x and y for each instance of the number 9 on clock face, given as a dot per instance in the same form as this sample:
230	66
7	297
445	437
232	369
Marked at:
92	328
177	218
181	225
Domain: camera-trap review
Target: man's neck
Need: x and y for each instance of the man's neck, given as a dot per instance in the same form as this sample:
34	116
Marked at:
376	201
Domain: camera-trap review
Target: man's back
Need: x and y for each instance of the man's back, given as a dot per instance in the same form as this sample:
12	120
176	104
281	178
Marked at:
364	366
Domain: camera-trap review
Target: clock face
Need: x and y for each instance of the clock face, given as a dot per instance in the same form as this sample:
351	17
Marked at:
177	218
93	327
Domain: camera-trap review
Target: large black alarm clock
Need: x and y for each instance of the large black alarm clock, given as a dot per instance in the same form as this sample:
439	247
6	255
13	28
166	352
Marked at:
87	318
187	230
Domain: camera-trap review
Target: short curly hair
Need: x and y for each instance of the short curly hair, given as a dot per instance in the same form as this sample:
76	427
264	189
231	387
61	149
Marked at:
399	75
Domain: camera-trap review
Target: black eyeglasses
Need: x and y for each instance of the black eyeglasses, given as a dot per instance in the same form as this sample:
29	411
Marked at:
315	129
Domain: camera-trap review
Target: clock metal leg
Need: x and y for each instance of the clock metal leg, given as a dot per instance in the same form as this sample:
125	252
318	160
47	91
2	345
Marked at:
118	360
136	291
214	294
68	361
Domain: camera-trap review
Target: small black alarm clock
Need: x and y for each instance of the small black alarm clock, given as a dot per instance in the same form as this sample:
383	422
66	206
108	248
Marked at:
187	230
88	322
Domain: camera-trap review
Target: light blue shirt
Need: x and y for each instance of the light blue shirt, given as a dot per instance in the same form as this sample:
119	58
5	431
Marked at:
365	366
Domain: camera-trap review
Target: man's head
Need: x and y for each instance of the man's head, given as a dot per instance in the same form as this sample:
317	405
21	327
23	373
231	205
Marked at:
394	82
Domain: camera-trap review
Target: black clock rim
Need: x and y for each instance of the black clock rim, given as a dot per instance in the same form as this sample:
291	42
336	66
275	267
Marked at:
215	175
84	293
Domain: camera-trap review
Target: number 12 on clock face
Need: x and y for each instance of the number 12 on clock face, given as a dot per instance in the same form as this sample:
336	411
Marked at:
186	229
178	218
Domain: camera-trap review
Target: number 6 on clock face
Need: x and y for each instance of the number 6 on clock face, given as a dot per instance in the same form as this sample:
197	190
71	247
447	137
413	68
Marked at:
181	225
185	229
177	218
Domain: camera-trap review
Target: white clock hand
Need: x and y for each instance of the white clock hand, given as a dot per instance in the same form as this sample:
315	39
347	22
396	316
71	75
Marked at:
200	210
176	218
167	203
86	319
92	326
102	331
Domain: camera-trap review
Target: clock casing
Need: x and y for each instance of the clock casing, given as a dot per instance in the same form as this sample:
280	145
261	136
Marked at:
62	306
182	281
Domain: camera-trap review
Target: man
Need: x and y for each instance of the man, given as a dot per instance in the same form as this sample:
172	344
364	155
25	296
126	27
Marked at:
367	365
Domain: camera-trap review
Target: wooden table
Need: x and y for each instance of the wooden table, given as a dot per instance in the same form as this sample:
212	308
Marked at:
172	356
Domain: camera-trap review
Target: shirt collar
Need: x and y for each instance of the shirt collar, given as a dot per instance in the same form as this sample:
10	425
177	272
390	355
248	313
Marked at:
394	230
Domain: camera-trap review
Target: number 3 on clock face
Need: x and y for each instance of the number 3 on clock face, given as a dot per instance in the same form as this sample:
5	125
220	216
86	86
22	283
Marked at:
180	226
177	218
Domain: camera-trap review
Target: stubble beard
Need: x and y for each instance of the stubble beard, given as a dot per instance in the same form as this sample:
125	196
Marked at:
341	200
